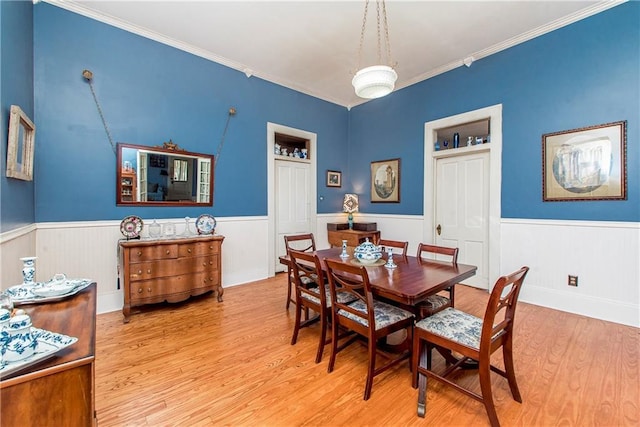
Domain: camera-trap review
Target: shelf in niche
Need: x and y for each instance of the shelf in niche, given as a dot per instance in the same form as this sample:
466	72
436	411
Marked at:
461	150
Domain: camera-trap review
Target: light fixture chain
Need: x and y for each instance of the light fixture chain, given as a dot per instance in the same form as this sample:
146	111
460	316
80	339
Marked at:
364	25
386	33
378	23
104	122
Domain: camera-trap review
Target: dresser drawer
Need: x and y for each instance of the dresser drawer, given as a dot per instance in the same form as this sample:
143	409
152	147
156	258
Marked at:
198	248
153	253
172	289
155	269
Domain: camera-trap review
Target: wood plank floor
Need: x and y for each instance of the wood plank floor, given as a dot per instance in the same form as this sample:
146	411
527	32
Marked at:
203	363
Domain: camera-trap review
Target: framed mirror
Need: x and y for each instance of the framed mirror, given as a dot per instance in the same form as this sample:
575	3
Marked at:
20	145
163	176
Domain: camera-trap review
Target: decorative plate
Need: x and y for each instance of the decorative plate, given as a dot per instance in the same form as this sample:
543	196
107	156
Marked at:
47	344
206	224
28	294
131	226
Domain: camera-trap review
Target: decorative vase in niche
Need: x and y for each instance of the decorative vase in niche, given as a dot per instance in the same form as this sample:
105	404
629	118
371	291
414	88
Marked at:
29	269
456	140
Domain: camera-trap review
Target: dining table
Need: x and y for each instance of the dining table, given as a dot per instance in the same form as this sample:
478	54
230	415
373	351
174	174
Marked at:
410	282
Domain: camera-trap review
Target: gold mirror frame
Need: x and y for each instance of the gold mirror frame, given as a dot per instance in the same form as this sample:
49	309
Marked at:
20	144
148	178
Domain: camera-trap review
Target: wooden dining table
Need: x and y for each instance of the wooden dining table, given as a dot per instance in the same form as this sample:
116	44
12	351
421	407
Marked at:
410	282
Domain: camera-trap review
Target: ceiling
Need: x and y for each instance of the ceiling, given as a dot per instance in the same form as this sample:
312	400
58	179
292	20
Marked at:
311	46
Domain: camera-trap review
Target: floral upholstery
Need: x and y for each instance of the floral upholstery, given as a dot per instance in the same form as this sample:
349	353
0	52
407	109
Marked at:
308	279
455	325
385	314
343	297
435	302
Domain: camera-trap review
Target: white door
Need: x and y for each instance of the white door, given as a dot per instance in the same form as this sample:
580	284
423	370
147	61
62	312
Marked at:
462	210
292	180
142	177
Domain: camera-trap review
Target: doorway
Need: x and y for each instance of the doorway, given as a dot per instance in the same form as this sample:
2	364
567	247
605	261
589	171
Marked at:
291	191
483	160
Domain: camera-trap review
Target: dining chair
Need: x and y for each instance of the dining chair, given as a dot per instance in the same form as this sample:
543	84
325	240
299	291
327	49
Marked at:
476	339
301	242
312	293
365	316
399	248
437	302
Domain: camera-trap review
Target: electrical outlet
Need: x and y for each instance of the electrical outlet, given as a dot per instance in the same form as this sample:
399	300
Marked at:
573	281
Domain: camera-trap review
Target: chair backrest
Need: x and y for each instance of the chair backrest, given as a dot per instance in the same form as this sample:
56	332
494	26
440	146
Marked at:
401	246
354	281
504	296
300	242
307	273
438	250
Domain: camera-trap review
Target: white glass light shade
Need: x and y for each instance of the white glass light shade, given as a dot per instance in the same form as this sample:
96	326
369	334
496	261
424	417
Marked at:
375	81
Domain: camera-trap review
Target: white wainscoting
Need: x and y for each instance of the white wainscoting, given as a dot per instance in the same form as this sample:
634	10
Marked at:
604	255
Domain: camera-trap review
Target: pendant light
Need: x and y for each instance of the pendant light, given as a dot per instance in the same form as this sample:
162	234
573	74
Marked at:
377	80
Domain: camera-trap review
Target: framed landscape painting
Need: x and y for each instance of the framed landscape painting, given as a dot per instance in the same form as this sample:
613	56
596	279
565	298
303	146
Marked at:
585	164
385	181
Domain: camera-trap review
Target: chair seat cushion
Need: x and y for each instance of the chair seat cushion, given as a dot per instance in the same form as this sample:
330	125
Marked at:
455	325
343	297
307	280
385	314
434	302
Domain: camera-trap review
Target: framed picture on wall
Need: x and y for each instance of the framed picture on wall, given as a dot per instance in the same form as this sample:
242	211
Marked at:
385	181
334	179
585	164
20	145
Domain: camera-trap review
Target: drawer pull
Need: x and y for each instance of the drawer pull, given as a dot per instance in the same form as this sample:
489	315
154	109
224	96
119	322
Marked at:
210	262
139	253
210	247
139	271
189	250
168	251
149	271
149	289
139	290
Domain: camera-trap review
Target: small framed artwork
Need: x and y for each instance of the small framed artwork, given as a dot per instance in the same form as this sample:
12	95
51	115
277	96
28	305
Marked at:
585	164
20	145
334	179
385	181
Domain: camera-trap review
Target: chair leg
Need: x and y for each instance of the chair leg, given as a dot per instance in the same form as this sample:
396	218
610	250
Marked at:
372	367
485	387
510	371
296	327
334	345
289	286
323	337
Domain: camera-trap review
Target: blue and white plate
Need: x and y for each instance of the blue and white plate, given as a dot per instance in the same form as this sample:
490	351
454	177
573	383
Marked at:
206	224
47	291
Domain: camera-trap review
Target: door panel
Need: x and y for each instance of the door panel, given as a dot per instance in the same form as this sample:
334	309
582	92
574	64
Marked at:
292	202
462	210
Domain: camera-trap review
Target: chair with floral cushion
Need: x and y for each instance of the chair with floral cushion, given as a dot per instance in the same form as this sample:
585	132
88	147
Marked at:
300	242
312	293
440	301
476	339
399	248
366	316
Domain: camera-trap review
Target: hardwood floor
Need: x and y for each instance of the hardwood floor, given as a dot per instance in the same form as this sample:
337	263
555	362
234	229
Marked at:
203	363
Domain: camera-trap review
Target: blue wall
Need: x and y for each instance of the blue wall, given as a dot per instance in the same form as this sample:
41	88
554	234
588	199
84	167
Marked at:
150	93
581	75
16	88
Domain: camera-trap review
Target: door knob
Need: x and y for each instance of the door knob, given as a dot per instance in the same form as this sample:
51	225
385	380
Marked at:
439	229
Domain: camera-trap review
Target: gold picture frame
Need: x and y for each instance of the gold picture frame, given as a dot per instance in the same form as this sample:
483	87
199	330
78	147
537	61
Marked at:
20	145
585	164
385	181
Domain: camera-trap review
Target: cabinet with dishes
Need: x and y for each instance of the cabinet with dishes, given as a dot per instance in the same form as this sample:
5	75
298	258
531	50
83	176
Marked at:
128	185
291	148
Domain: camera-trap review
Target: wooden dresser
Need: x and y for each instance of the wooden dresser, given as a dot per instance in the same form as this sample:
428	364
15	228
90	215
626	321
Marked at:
59	391
353	237
172	270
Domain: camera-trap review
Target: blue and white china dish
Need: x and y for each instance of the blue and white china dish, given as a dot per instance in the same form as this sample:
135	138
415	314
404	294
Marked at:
28	269
5	315
206	224
45	344
18	341
52	290
367	252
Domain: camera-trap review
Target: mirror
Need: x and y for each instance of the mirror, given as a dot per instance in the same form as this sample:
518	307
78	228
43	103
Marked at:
163	176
